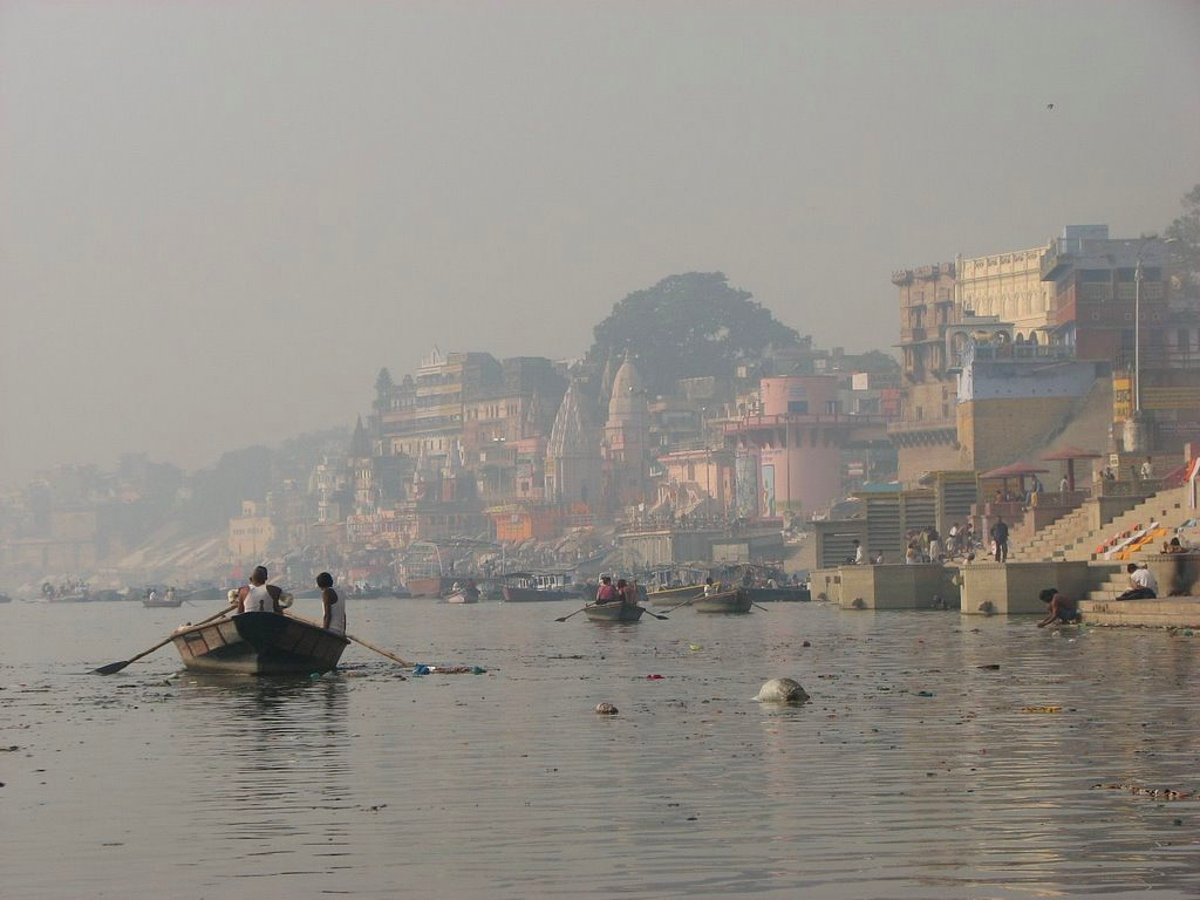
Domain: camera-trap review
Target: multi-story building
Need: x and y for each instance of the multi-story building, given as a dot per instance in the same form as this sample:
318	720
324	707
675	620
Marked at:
925	434
1096	288
1009	286
424	414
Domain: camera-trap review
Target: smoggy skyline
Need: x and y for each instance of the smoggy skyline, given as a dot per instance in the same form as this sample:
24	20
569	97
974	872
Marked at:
218	221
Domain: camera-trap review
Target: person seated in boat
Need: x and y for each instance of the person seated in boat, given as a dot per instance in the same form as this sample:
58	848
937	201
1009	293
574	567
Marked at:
257	596
606	593
622	593
152	596
1061	608
710	588
629	594
334	618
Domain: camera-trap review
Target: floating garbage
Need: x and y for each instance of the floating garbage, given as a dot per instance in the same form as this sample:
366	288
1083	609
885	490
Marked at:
781	690
1041	709
606	709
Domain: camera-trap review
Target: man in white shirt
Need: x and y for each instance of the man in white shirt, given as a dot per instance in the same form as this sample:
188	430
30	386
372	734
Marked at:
257	597
1142	584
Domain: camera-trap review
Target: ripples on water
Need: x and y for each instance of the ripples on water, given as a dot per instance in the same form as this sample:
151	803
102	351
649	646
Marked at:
913	772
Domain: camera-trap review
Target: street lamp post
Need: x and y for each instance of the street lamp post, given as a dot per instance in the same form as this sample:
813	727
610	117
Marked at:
1135	434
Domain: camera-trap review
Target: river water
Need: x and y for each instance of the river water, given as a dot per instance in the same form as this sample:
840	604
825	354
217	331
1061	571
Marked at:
917	769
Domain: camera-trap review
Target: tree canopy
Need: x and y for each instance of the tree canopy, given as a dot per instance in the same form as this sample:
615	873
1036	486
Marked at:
686	326
1185	250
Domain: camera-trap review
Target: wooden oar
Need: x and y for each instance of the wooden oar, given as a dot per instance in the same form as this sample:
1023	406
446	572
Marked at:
577	612
685	602
393	657
656	615
112	668
381	651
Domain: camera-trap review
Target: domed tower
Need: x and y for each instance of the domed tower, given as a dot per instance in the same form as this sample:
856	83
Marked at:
626	436
573	465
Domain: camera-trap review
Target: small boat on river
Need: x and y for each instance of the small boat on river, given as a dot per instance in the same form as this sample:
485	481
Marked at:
528	587
671	596
614	612
259	643
735	601
789	594
170	601
468	594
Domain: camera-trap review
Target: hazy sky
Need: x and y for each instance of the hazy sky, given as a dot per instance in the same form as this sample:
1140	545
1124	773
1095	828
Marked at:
218	220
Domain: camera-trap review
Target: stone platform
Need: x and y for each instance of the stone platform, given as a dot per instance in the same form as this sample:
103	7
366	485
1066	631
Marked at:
1169	612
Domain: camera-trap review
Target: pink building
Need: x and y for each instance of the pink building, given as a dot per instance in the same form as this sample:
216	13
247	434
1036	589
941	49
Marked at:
789	448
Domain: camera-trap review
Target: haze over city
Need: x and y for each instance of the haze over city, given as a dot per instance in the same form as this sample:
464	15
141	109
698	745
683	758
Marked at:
220	220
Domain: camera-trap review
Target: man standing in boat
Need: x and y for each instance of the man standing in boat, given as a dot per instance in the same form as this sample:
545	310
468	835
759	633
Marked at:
257	596
334	618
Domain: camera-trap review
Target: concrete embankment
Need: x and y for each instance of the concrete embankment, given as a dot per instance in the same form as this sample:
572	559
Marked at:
1169	612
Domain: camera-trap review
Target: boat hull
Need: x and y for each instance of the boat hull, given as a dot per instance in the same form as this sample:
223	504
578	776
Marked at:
162	604
728	602
259	643
429	586
614	612
780	595
533	595
470	595
671	596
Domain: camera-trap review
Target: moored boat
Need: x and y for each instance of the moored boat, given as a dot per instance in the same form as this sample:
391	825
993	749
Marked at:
671	596
527	587
259	643
468	594
736	601
614	612
779	594
429	585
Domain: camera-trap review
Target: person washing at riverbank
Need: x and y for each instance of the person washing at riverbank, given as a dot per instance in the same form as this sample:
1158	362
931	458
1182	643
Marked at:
1142	584
1060	608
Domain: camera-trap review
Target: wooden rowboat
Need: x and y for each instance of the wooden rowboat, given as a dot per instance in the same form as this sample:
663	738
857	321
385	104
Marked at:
259	643
737	601
463	595
163	603
614	612
672	596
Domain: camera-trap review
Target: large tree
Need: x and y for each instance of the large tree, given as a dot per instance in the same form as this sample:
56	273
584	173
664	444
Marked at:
688	325
1185	248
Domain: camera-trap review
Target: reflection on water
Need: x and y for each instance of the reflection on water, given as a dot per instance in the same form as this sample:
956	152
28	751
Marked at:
916	770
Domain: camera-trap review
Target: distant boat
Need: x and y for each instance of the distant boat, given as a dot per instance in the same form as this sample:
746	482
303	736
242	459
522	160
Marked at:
735	601
4	598
259	643
614	612
671	596
171	601
429	585
468	594
791	594
529	587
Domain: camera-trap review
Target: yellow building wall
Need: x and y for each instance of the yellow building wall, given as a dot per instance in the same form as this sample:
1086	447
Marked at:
249	537
994	433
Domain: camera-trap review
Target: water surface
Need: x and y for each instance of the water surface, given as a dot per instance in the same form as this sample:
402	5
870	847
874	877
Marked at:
913	772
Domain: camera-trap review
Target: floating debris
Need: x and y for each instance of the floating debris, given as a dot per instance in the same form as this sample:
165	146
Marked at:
1153	793
606	709
781	690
